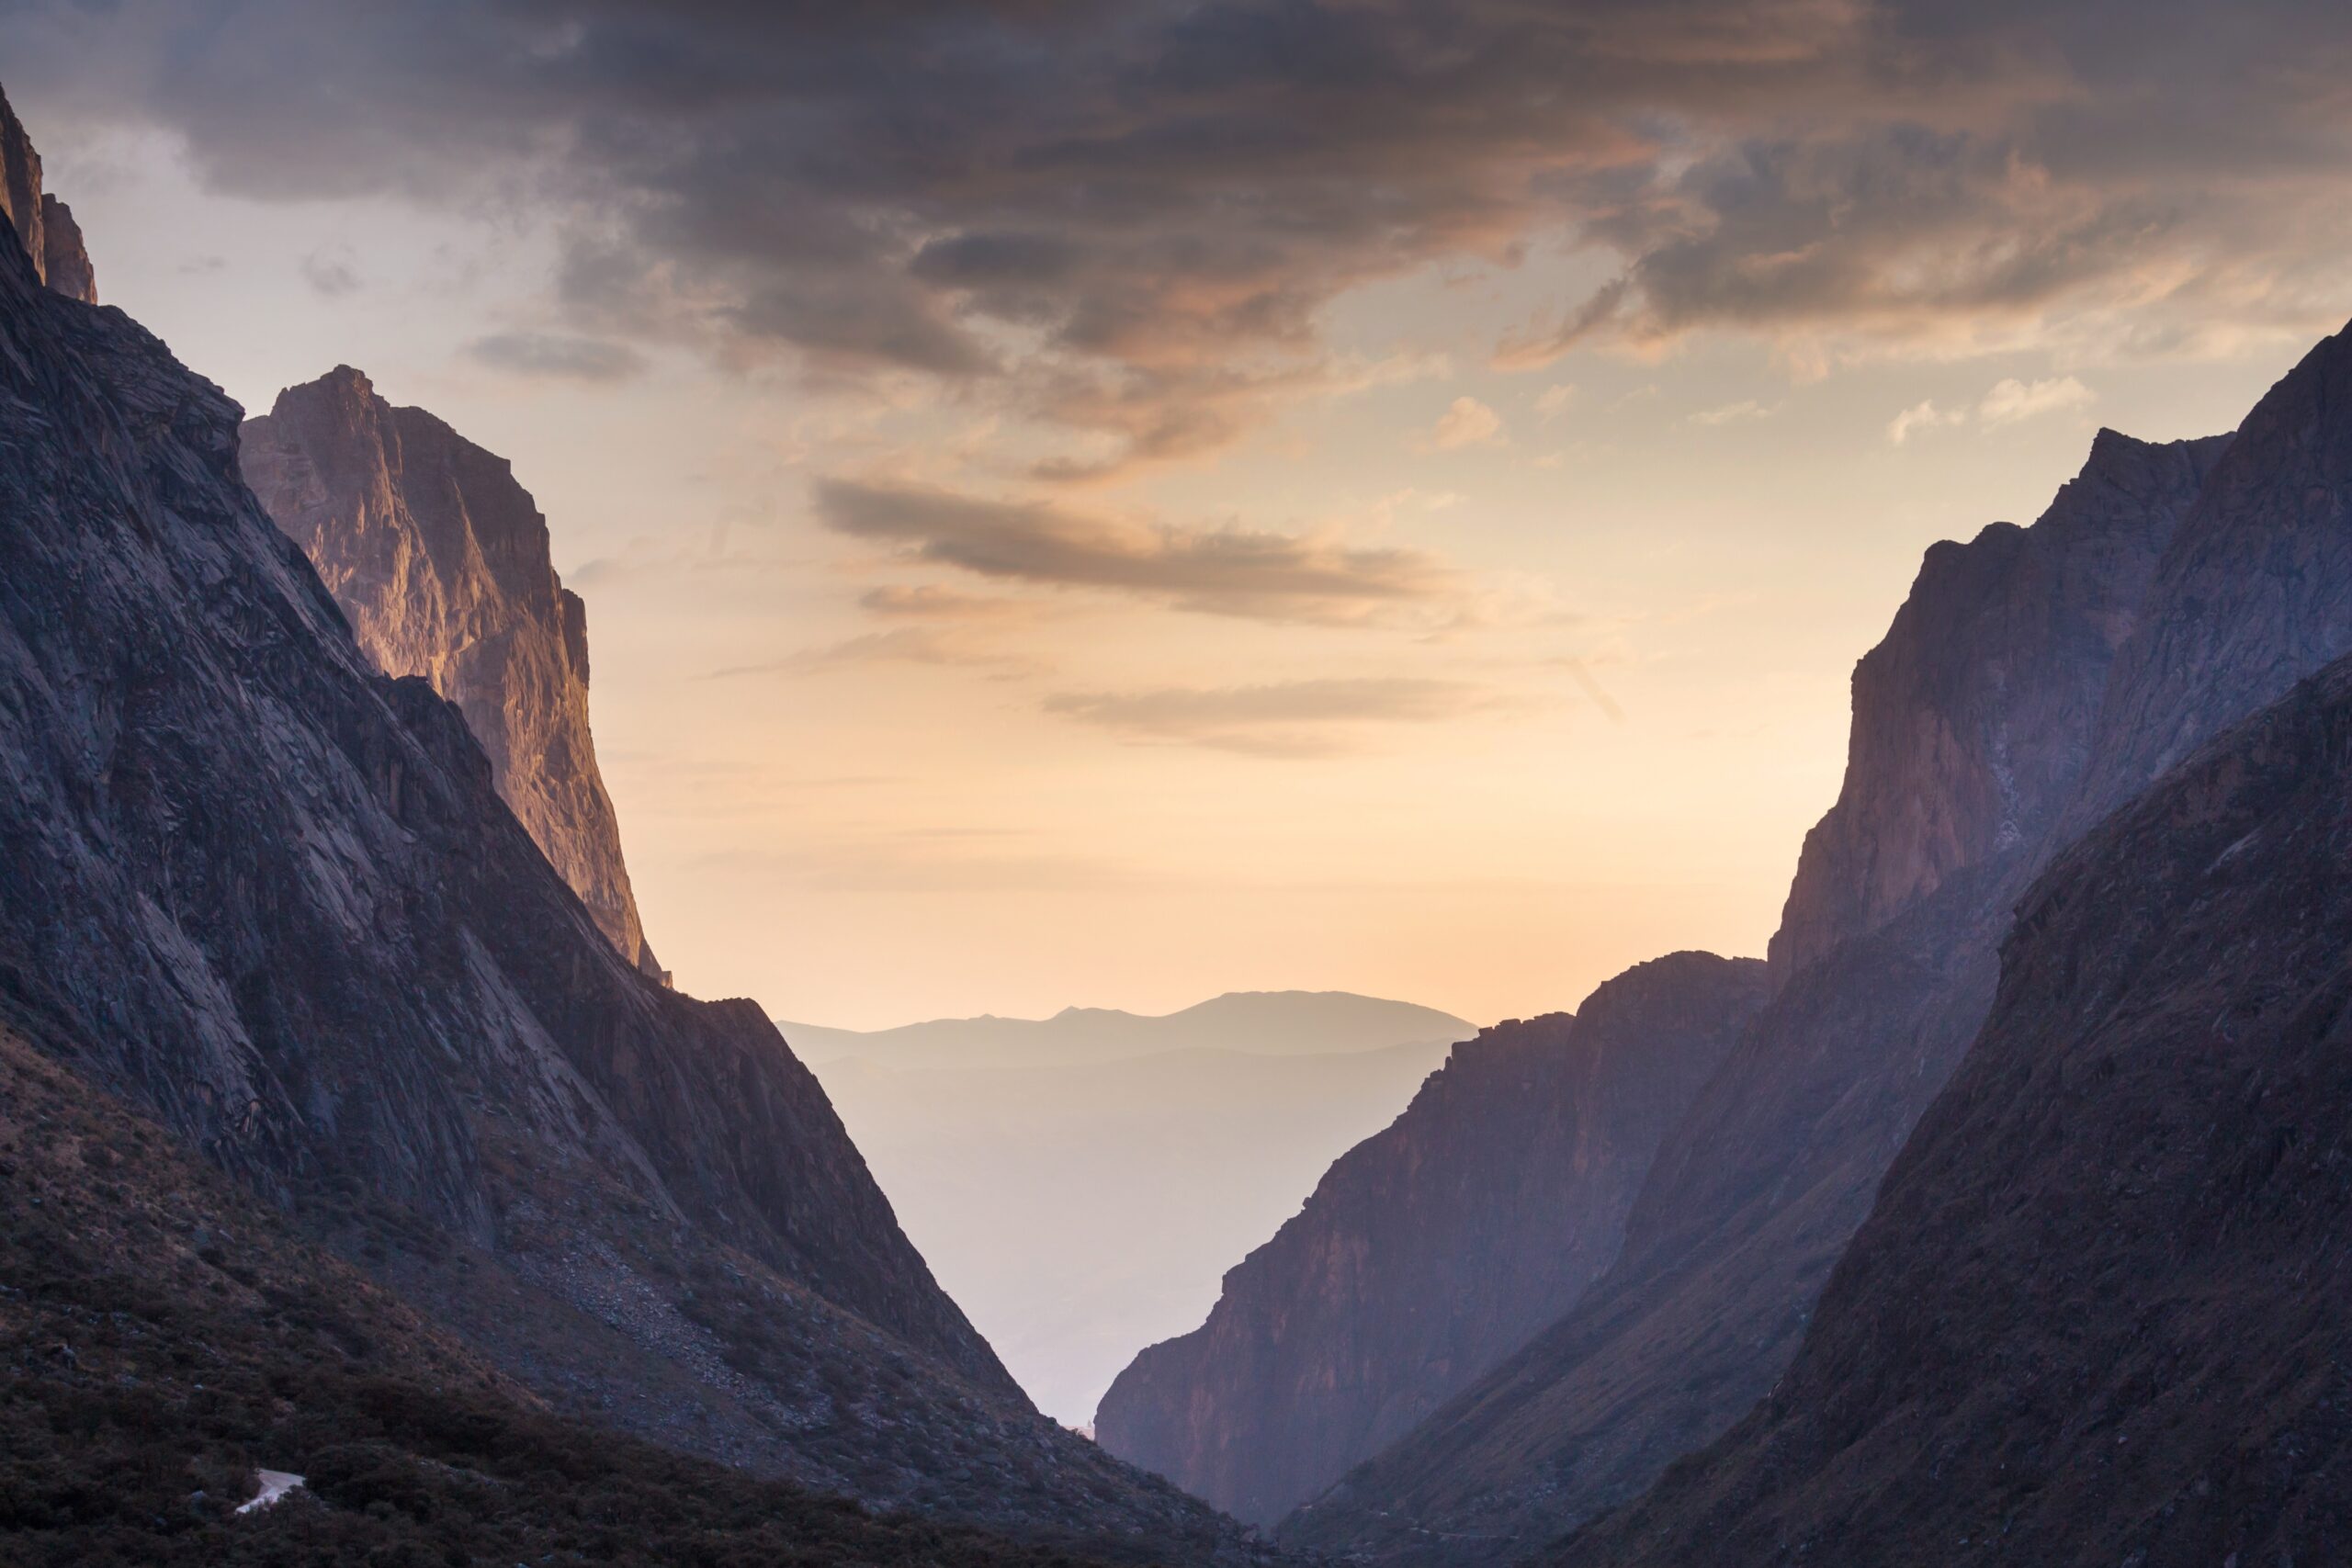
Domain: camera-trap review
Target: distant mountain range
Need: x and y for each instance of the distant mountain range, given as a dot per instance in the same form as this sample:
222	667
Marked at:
1078	1183
1259	1023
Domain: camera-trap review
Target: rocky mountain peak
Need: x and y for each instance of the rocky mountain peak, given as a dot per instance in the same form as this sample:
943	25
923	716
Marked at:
442	563
1972	717
2254	591
44	225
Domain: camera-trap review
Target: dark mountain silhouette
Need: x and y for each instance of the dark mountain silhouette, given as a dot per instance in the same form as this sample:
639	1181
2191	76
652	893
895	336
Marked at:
2097	1314
1434	1248
271	896
440	562
1973	729
166	1337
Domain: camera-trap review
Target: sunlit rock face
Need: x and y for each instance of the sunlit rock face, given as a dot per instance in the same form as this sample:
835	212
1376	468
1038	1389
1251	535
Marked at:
66	260
440	561
1434	1248
44	225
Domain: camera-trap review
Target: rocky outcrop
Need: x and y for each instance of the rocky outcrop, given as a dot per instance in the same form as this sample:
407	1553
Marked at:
66	260
1965	755
269	895
2254	593
1973	718
44	225
2097	1312
1434	1248
21	187
441	563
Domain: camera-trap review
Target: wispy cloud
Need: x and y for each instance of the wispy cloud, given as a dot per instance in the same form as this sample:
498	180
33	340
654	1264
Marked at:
2006	402
332	271
901	645
1284	718
2013	400
1466	423
1732	413
556	355
1226	571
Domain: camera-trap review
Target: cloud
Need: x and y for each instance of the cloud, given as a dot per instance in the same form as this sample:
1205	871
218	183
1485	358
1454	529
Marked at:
1732	413
928	602
1553	401
331	273
1286	719
1127	221
2006	402
1922	416
1468	422
902	645
2013	400
556	356
1228	571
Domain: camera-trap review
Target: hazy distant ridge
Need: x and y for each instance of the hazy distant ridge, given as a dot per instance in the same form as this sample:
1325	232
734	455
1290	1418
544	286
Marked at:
1258	1024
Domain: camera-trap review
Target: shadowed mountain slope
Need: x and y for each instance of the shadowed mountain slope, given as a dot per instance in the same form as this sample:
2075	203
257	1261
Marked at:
166	1336
2097	1314
1435	1247
271	896
1972	728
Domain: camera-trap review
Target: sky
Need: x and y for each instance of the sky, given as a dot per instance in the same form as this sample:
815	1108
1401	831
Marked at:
1104	504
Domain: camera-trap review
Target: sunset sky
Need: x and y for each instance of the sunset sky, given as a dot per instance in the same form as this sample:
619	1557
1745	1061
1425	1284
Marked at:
1106	505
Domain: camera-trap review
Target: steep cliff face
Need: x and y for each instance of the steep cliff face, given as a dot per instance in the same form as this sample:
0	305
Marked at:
44	225
1885	968
1434	1248
2097	1314
2254	593
440	561
269	895
1973	718
66	260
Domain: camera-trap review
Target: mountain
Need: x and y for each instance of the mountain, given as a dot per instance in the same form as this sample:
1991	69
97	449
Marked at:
1973	730
44	225
270	896
1080	1211
2097	1314
440	562
167	1336
1434	1248
1265	1024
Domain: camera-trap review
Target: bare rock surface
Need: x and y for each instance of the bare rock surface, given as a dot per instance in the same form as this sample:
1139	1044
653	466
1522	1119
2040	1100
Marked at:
1434	1248
271	896
2097	1314
441	562
66	264
1973	729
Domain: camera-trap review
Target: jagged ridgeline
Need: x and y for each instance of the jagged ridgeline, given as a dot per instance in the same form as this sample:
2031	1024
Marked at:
2036	681
271	895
